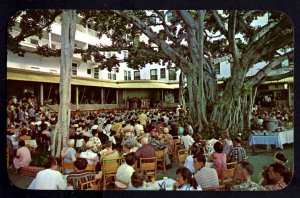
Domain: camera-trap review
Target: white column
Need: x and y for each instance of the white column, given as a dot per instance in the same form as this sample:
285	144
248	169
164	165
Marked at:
77	98
102	96
42	94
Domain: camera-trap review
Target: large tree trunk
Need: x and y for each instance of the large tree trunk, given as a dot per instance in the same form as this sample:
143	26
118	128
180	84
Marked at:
61	131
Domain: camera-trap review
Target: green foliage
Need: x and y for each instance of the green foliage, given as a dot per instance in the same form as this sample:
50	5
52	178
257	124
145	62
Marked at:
39	157
247	88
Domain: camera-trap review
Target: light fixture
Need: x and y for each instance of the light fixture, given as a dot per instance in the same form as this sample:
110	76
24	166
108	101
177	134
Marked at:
285	85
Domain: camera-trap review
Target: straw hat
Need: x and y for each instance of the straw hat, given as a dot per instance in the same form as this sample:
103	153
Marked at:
89	144
71	142
166	130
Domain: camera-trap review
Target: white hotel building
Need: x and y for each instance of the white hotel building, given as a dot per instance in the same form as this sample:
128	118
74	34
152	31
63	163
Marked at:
93	88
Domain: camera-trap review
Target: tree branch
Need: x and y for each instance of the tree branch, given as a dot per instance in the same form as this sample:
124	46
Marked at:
169	51
262	74
220	23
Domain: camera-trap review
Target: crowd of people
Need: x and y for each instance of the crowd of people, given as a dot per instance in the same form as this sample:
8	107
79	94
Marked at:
131	134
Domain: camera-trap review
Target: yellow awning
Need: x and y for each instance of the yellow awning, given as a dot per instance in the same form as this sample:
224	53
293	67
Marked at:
136	84
37	76
283	80
33	76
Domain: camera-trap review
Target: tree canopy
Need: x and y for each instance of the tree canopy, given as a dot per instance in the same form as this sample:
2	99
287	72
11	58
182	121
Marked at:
192	40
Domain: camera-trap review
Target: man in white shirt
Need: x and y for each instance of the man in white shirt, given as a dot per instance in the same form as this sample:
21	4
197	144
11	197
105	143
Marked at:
186	139
125	171
49	179
138	128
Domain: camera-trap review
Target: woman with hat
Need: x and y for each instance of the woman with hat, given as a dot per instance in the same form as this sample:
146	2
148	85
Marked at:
68	154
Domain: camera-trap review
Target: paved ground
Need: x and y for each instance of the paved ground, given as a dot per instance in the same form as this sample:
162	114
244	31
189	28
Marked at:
259	159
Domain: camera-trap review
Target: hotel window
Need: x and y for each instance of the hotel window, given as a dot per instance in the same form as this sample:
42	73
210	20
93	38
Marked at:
129	75
170	16
109	75
217	68
96	73
88	71
137	75
163	73
125	75
114	76
74	69
172	74
153	74
34	41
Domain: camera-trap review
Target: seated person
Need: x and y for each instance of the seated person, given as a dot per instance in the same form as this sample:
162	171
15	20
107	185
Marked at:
50	178
242	174
206	177
218	158
138	180
68	154
263	176
109	153
80	176
125	171
22	158
184	180
279	175
89	154
238	153
195	148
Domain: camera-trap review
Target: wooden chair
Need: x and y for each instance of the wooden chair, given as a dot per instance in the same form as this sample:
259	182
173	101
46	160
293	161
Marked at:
219	188
150	166
91	166
177	143
227	175
121	181
90	185
67	165
231	165
182	155
109	169
161	162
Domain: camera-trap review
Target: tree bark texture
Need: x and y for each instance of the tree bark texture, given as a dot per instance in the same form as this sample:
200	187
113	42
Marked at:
68	29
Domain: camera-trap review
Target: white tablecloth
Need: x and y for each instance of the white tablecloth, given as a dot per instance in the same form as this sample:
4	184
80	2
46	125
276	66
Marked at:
155	186
278	139
287	137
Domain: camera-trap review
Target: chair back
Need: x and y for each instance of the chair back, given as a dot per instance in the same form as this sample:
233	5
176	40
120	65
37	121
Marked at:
67	165
111	165
148	164
90	185
161	161
182	155
122	182
160	154
231	165
219	188
227	176
91	166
